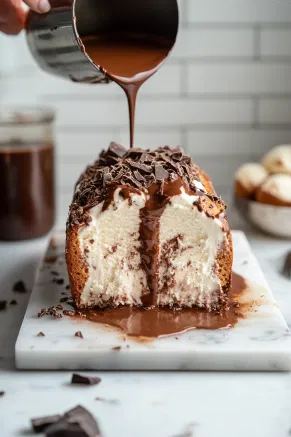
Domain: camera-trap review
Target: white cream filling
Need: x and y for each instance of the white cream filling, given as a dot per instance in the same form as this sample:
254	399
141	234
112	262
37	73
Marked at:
110	245
113	258
191	269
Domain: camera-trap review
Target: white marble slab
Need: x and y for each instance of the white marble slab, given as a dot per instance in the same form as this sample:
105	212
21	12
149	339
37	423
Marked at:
261	341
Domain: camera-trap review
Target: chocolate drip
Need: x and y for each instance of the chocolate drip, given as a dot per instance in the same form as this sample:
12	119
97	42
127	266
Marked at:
159	196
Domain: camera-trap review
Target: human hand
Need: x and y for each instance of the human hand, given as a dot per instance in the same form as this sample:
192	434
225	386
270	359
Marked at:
13	14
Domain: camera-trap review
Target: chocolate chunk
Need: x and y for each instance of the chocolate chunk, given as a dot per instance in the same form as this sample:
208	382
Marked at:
60	281
41	423
77	422
3	305
40	334
19	287
67	287
64	299
87	380
79	334
53	272
161	173
2	393
13	302
117	149
140	166
116	348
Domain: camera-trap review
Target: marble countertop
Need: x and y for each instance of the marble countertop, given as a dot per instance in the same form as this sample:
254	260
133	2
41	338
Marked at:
143	404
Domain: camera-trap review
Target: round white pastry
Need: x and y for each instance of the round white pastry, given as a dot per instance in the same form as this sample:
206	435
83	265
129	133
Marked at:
278	160
251	175
278	186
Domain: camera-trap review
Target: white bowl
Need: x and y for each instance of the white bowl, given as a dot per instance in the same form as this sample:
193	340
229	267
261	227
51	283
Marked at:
275	220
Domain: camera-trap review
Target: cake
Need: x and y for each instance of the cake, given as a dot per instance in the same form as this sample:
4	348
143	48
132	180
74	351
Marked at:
146	229
276	190
278	160
248	179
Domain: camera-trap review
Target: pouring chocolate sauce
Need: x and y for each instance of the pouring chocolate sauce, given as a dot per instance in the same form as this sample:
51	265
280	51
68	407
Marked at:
129	60
94	41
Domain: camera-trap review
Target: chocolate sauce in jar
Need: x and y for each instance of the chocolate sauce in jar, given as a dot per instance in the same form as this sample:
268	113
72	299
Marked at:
129	60
27	190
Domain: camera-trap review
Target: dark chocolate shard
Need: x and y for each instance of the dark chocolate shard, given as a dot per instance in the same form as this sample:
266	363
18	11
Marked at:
2	393
19	287
13	302
116	348
140	166
59	281
3	305
40	424
86	380
79	334
117	149
77	422
160	173
40	334
139	176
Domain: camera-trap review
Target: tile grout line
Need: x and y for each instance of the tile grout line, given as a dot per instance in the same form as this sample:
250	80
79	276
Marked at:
257	42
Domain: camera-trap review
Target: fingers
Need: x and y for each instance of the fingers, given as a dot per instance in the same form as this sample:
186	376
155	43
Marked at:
41	6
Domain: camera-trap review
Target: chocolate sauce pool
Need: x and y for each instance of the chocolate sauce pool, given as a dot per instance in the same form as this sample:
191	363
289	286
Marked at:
161	322
129	60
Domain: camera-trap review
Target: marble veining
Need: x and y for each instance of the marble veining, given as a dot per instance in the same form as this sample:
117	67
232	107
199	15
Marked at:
261	341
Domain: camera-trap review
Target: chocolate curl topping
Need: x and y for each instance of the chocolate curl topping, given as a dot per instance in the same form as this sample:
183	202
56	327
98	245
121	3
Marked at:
137	168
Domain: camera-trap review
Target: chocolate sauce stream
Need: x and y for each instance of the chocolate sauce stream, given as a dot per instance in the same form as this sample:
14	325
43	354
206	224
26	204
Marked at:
129	60
161	322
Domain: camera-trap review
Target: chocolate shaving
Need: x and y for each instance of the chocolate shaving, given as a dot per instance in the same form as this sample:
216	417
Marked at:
41	423
2	393
116	348
86	380
13	302
160	173
40	334
51	311
135	168
19	287
79	334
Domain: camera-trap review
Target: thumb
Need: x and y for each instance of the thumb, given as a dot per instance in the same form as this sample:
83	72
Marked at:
41	6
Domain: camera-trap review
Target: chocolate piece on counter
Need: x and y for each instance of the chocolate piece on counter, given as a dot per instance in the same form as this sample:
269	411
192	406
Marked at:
286	271
51	311
67	287
77	422
41	423
2	393
53	272
86	380
13	302
40	334
19	287
79	334
3	305
58	281
64	299
116	348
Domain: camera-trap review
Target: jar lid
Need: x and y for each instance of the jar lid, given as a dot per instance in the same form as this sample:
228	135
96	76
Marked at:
25	115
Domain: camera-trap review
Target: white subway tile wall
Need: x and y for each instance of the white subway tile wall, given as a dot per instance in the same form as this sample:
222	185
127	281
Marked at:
225	93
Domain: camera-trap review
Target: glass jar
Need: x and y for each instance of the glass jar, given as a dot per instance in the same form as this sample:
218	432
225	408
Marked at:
27	201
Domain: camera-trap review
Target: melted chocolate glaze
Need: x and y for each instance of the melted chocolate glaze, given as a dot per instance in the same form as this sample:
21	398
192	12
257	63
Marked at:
161	322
